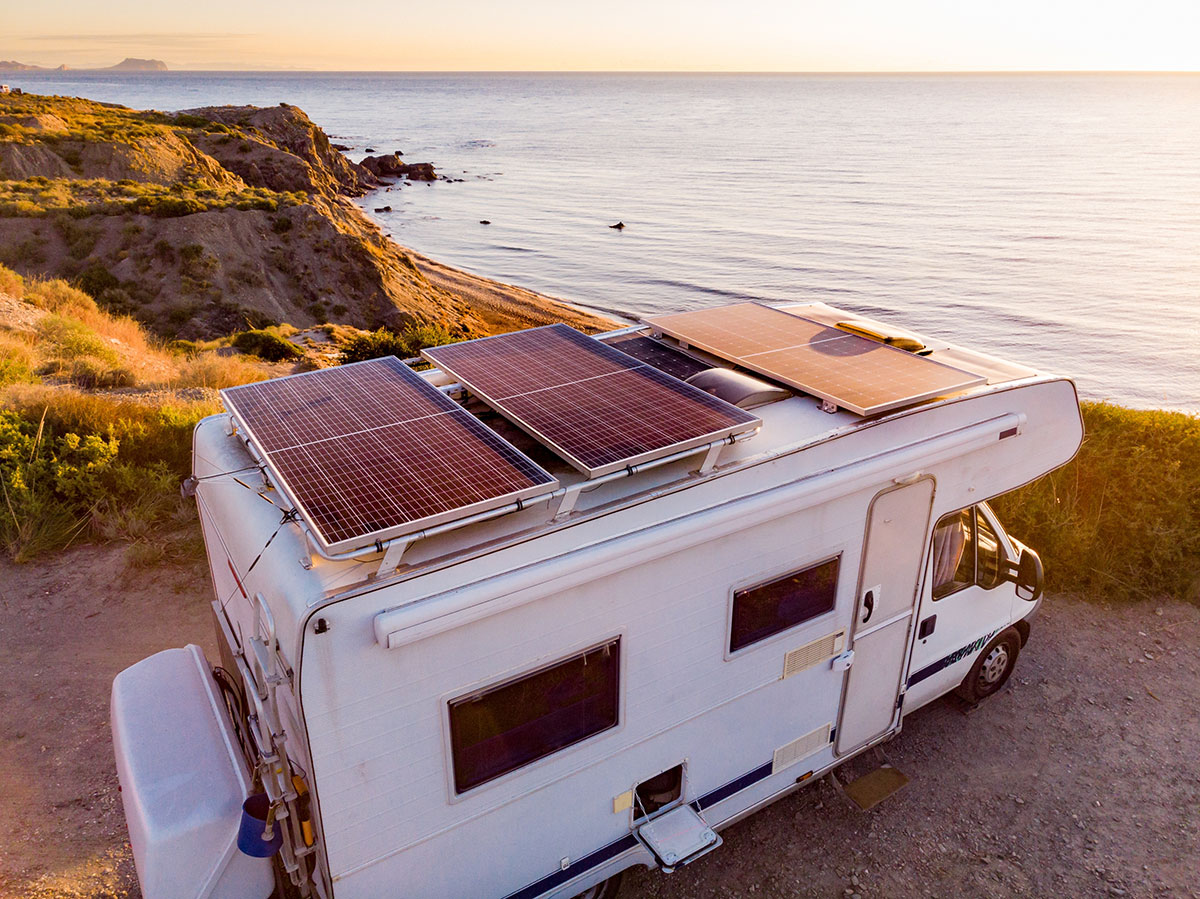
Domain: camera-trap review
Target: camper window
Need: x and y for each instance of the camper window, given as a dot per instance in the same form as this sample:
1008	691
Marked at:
966	551
765	610
507	726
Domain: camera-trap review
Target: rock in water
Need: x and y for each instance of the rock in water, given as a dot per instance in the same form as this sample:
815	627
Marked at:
390	166
620	226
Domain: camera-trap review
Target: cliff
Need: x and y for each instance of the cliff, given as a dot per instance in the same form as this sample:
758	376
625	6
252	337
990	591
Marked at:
217	219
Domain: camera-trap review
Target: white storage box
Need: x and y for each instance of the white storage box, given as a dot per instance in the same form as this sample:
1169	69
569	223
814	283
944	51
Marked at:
183	781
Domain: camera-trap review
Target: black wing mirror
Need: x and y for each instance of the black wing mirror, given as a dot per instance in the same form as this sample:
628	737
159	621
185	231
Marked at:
1028	575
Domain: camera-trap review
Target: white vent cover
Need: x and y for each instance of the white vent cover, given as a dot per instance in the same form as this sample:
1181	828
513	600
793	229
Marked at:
813	653
800	748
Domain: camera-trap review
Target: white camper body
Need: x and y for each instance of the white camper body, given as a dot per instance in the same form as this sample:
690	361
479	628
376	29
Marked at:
699	713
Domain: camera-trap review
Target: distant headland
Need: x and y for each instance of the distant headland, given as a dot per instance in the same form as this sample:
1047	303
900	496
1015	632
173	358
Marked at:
129	64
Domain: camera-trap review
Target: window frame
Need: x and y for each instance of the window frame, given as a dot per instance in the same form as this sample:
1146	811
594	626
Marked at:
762	581
516	675
977	509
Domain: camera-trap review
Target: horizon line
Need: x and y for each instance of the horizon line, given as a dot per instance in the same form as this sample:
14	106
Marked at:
300	71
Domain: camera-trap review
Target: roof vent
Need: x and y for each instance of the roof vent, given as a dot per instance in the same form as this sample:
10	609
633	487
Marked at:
737	388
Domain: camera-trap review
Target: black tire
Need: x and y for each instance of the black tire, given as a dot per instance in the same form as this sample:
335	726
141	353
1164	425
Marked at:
606	890
993	667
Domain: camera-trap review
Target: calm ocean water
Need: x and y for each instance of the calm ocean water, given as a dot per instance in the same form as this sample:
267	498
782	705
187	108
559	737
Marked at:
1051	219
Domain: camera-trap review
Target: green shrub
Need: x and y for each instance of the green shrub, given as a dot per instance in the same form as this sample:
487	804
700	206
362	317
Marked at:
73	465
56	295
187	120
96	279
266	345
17	360
388	343
1122	520
68	339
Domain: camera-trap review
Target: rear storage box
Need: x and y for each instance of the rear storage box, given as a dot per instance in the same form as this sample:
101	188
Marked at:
183	781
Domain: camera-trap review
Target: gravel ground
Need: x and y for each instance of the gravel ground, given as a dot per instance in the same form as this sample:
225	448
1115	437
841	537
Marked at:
1080	778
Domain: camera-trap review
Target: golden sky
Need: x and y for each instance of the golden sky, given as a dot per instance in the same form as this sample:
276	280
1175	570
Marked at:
640	35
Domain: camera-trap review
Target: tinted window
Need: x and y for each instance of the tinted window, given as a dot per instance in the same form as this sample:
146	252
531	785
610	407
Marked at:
966	551
954	553
504	727
767	609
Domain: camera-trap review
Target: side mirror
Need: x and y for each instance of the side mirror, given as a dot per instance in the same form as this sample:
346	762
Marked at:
1029	576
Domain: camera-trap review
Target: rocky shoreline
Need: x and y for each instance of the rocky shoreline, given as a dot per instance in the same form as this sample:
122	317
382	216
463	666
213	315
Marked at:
214	219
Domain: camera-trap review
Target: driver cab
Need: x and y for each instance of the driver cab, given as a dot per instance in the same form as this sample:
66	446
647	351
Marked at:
969	598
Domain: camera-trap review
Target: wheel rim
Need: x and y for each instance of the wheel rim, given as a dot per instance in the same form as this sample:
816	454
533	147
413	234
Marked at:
994	666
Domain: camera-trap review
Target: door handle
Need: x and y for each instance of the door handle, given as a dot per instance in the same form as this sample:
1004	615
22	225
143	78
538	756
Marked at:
869	605
927	627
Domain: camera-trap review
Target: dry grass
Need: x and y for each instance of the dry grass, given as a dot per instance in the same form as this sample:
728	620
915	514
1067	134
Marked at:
11	283
90	347
38	196
217	372
18	359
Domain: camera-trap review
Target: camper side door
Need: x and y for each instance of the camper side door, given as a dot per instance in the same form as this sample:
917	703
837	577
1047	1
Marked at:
966	601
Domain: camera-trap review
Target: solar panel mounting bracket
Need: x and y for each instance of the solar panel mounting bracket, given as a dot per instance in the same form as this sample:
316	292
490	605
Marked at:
827	406
392	554
710	458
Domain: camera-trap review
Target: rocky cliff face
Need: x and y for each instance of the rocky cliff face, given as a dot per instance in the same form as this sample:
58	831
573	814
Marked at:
206	221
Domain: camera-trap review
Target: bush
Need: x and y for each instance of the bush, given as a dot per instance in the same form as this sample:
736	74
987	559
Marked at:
68	339
218	372
387	343
17	360
266	345
1123	519
11	283
73	465
56	295
96	279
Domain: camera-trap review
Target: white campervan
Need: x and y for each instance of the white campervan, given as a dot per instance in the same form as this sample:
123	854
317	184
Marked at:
562	605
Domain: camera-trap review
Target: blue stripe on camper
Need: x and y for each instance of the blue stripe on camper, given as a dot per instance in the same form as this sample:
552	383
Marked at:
957	656
612	850
578	867
734	786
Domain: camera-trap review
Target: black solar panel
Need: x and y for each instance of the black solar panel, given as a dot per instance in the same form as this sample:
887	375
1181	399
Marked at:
658	355
598	408
371	450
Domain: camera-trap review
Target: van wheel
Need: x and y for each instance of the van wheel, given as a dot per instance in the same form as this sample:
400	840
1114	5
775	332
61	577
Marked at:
992	668
604	890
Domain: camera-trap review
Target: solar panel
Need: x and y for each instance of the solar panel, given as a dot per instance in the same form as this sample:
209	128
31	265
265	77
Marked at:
853	372
598	408
371	450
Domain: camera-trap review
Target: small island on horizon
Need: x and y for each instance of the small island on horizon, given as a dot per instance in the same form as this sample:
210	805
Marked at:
128	64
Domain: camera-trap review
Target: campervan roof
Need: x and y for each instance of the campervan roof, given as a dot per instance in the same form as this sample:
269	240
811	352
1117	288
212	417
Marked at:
518	431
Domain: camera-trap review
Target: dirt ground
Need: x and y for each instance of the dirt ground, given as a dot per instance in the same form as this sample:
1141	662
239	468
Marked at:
1081	778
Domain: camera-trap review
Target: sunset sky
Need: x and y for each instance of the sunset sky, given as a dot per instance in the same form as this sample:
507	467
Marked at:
673	35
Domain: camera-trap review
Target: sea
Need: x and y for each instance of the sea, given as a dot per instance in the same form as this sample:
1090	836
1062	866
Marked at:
1053	219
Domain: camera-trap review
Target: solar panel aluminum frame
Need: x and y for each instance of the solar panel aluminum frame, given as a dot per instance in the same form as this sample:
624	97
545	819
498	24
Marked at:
721	435
412	529
970	378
